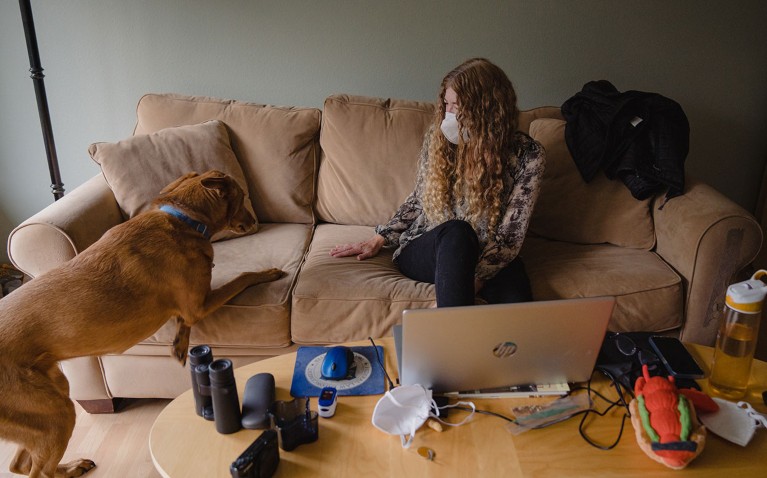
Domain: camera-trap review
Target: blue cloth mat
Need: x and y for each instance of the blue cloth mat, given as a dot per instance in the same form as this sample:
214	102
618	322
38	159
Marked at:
308	381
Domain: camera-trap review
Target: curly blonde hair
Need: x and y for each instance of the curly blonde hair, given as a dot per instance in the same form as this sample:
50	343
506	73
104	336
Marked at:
470	174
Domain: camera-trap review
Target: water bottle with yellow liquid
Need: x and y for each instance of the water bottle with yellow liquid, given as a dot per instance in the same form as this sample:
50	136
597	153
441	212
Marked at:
736	340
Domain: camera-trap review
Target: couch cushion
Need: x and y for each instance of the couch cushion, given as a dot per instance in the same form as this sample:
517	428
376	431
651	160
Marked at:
343	299
569	209
277	147
259	316
526	117
370	150
138	168
649	293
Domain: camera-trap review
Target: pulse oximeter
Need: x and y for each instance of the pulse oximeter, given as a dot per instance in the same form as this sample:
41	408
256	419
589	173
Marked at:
326	405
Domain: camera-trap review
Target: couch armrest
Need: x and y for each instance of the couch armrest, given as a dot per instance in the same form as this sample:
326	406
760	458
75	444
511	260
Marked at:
707	239
65	228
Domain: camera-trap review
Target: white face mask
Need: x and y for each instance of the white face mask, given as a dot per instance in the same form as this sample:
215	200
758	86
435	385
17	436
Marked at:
449	128
735	422
403	410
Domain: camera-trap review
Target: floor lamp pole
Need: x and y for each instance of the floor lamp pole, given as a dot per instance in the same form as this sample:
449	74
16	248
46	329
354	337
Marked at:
37	76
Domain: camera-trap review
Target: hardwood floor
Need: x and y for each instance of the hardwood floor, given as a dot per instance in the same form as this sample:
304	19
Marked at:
118	442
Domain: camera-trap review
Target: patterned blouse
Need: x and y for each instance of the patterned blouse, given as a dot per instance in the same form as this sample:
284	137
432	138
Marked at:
500	246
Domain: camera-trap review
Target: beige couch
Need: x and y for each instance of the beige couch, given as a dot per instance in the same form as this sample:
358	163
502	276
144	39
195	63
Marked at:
321	177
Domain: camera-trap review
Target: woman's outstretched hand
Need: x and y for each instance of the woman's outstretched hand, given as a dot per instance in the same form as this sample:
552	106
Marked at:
363	250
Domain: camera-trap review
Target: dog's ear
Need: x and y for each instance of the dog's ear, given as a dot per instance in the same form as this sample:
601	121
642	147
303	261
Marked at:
170	187
219	185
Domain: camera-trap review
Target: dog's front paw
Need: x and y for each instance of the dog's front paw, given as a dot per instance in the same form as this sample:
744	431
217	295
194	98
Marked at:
268	275
273	274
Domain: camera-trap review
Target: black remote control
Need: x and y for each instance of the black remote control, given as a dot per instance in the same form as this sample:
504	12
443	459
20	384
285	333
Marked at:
258	396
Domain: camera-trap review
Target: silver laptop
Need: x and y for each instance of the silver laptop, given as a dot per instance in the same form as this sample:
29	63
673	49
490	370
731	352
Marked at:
487	346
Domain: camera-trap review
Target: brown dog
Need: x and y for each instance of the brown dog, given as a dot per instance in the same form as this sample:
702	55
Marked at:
123	288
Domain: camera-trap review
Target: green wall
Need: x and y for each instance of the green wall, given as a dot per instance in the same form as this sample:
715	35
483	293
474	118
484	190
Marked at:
100	56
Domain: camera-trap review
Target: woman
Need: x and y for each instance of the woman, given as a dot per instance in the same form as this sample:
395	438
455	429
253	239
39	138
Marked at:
478	179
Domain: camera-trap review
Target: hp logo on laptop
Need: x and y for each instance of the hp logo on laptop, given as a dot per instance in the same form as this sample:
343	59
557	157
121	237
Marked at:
505	349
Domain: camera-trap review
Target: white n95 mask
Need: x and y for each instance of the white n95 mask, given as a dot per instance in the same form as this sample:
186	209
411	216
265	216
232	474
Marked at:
403	410
735	422
450	128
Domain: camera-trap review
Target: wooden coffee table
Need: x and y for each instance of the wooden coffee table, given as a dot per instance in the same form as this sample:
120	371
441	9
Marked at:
183	445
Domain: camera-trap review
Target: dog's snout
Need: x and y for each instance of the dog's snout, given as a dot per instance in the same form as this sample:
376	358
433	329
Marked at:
247	227
243	221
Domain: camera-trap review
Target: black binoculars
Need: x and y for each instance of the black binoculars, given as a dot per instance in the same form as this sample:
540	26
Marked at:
214	389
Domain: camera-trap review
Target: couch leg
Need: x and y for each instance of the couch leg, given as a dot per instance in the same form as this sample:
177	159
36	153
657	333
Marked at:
107	405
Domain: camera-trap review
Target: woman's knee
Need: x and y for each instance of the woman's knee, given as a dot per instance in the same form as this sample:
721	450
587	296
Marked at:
459	233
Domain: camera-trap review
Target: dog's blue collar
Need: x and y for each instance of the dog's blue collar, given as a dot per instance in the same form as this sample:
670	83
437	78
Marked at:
196	225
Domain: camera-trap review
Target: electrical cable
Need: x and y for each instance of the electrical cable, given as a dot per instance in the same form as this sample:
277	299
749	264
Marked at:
485	412
621	401
380	363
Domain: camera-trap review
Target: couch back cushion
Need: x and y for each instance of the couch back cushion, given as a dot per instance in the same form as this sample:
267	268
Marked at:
276	146
369	156
370	149
569	209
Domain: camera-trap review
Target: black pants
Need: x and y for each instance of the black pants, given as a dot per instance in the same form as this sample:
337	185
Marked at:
447	257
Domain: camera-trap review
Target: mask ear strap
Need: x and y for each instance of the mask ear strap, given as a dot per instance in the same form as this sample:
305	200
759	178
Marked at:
760	419
468	417
409	441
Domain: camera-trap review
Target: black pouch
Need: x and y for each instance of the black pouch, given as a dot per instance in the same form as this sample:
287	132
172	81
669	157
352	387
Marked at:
623	354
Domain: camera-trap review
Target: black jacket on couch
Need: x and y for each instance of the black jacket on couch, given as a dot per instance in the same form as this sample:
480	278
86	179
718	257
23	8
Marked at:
641	138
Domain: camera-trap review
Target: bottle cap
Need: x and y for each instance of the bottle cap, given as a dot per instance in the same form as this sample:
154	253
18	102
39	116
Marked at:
748	296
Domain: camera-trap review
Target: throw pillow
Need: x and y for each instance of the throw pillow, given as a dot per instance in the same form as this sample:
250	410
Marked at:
569	209
138	168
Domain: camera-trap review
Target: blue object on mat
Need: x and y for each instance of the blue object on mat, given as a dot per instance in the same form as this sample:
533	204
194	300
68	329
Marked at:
307	374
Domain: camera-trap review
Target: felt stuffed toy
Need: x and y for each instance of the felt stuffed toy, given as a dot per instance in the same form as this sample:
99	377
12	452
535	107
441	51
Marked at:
667	428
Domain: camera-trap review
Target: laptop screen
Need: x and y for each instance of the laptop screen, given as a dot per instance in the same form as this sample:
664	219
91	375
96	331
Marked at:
486	346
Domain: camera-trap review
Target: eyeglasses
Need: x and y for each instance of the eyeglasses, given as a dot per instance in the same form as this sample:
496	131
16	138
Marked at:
628	347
